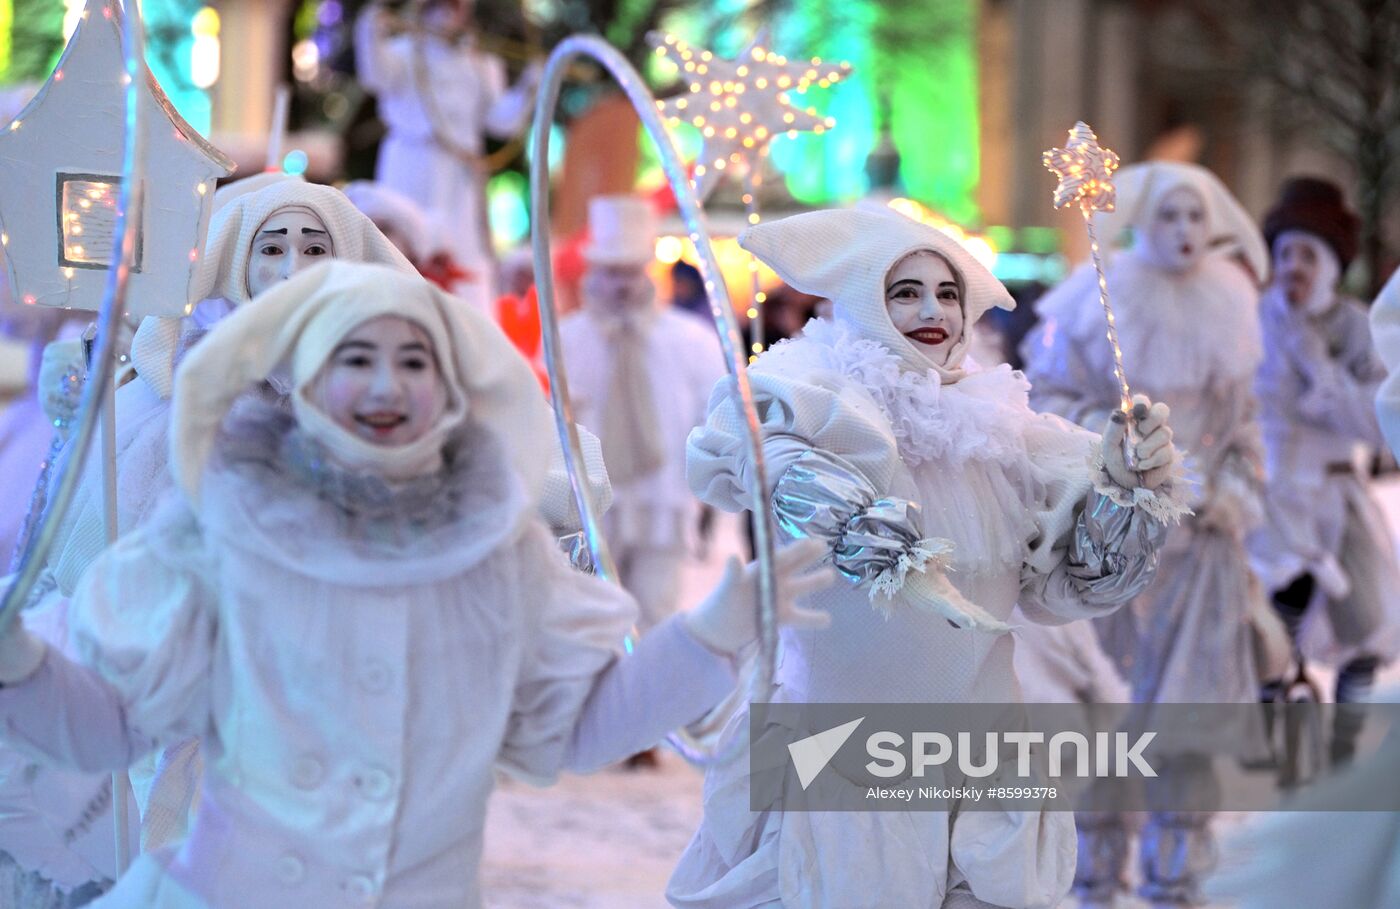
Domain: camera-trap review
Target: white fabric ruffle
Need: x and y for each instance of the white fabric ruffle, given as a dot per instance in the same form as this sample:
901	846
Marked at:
978	418
1176	330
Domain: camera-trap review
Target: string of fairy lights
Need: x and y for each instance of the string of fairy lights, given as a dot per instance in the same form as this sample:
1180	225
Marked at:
1085	171
739	106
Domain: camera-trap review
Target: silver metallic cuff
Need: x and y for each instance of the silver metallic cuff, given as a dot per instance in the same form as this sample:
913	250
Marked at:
1112	553
874	540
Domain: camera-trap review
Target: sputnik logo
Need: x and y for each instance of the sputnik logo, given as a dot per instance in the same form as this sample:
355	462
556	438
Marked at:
811	754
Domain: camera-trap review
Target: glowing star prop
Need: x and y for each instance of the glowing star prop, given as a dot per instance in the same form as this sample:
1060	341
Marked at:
1085	169
740	105
61	184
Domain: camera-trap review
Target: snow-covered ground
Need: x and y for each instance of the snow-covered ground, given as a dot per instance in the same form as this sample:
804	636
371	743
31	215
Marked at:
605	841
610	840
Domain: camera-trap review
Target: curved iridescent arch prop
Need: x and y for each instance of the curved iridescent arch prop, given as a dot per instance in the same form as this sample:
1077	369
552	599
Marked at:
96	400
730	338
113	302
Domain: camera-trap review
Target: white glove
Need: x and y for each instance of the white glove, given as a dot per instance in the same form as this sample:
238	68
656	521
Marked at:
1155	454
727	620
531	76
1324	396
20	653
931	591
62	371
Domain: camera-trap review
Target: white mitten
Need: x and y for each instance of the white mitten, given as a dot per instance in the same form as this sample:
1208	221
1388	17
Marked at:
931	591
20	654
727	620
531	77
61	373
1156	456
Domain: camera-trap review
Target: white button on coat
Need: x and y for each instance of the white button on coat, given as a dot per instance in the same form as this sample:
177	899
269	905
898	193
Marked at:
307	772
375	783
291	869
259	636
360	888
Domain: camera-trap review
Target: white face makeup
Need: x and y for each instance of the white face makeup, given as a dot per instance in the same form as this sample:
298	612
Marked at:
618	288
290	240
382	382
1176	235
448	17
925	304
1306	270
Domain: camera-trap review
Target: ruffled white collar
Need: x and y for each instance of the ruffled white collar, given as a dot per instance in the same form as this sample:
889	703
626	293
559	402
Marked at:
1176	330
980	418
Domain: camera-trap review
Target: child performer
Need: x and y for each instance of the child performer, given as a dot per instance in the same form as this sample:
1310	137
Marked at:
356	609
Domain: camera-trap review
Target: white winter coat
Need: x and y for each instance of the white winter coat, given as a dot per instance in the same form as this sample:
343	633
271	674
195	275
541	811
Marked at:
356	677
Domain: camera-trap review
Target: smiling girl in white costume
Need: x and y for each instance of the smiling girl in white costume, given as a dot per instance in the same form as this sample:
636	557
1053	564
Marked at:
355	608
256	240
908	463
264	230
1187	315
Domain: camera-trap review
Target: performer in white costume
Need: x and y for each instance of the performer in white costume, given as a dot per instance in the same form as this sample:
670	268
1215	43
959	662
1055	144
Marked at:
1274	862
907	465
265	229
441	95
640	375
355	608
1187	320
1325	554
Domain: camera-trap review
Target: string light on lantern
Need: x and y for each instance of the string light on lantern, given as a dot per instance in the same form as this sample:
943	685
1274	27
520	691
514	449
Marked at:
54	162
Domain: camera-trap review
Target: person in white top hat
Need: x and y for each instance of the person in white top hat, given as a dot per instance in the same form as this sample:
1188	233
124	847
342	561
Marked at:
640	376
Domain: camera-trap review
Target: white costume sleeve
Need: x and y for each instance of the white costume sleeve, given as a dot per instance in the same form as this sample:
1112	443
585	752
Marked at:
143	623
1066	373
1349	380
823	412
1322	375
381	63
144	617
508	109
1096	543
578	702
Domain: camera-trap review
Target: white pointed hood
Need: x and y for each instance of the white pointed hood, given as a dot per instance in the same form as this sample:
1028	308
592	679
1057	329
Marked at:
845	256
1141	187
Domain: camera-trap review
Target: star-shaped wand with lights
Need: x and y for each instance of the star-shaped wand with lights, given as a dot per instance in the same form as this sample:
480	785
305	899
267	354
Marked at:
1085	169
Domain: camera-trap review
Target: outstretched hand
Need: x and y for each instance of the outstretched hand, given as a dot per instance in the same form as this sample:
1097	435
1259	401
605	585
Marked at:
727	620
61	373
1155	455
